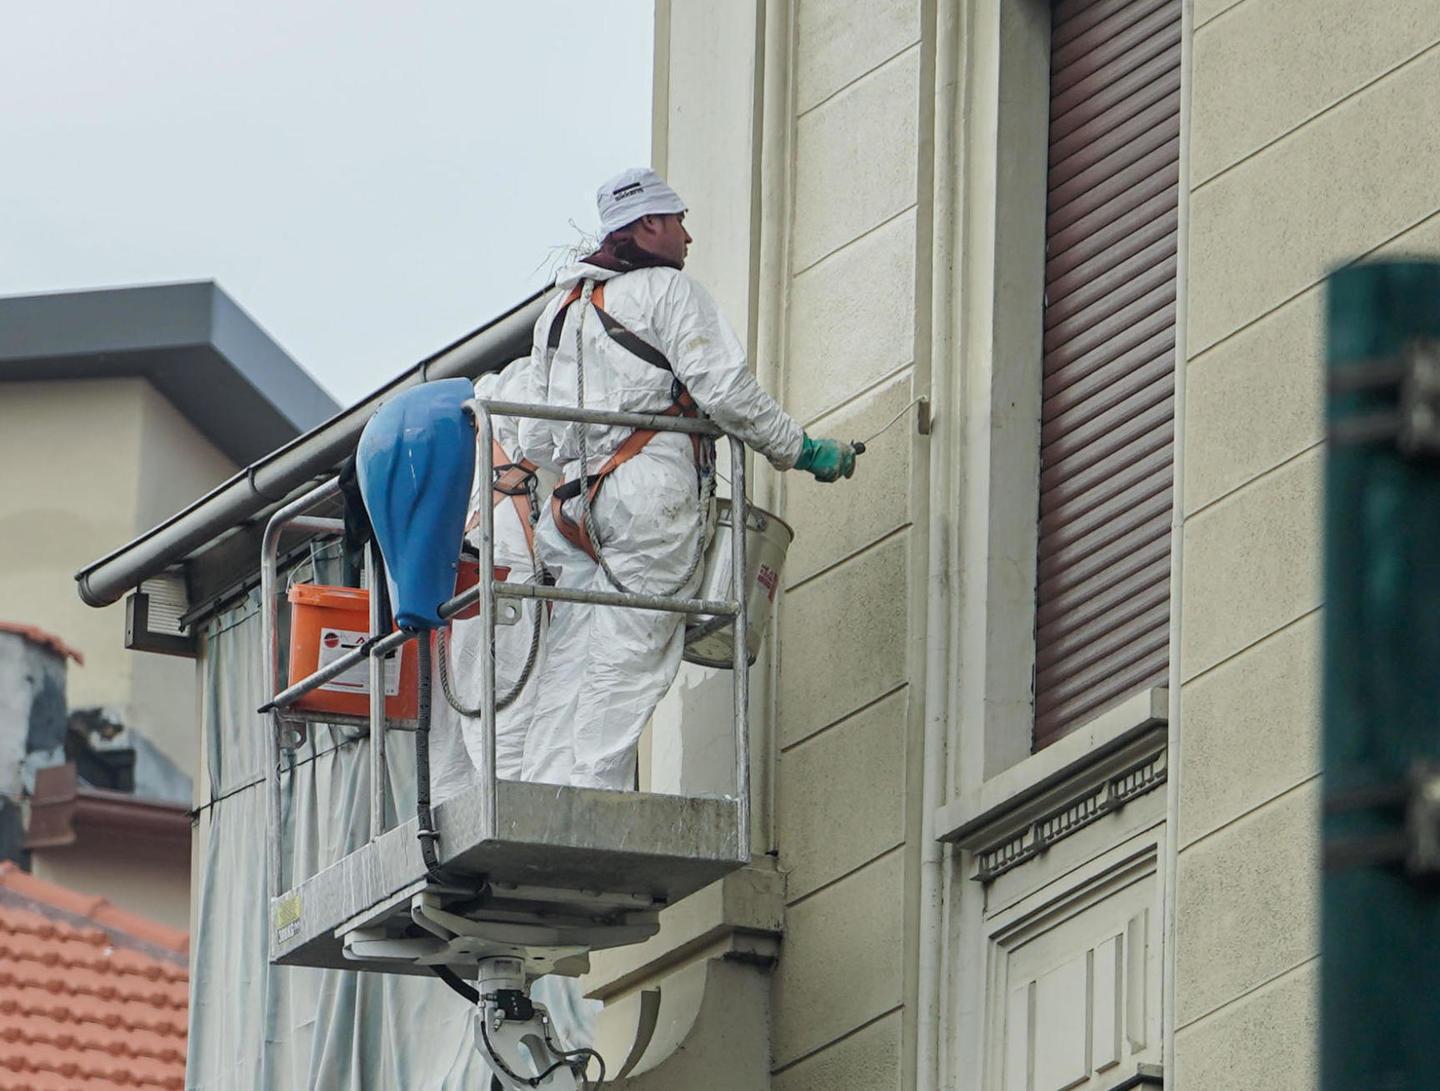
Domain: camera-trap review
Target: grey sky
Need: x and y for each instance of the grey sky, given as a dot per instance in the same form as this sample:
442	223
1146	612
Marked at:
367	179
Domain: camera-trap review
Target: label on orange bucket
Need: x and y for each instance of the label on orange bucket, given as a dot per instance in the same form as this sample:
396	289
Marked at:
336	642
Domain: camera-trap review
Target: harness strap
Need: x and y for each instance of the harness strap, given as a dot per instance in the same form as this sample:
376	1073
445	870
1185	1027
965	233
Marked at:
512	479
625	338
574	531
683	406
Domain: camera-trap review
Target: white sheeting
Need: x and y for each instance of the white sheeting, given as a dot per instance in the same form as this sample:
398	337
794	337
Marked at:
253	1025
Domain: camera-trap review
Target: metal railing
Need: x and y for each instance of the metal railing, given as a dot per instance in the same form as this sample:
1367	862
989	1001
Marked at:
487	592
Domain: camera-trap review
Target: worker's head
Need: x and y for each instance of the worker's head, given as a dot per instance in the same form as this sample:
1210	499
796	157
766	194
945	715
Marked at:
637	209
662	234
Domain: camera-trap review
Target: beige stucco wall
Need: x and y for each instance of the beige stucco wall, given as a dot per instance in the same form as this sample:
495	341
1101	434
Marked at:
86	466
177	464
1307	149
808	237
843	700
150	880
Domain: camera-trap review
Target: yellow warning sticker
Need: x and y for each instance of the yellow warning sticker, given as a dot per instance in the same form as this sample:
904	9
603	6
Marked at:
287	917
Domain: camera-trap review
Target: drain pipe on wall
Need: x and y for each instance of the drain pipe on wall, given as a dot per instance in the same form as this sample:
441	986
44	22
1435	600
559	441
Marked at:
934	857
772	201
941	451
1177	544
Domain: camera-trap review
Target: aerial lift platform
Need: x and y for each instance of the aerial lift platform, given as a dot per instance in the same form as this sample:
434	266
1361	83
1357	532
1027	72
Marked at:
527	878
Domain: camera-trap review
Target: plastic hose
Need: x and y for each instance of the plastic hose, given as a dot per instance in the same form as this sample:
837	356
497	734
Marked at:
426	834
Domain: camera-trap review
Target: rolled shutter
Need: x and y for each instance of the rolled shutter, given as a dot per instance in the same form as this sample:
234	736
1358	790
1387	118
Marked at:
1107	407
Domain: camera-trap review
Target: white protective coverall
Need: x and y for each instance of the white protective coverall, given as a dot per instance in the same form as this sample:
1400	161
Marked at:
512	642
606	668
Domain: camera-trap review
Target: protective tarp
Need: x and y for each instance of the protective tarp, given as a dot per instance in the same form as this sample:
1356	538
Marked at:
253	1025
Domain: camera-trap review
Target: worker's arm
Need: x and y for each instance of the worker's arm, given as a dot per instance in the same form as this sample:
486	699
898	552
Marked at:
709	359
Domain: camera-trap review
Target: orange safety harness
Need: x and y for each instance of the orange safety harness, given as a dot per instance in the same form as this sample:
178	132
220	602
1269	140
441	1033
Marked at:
515	480
682	406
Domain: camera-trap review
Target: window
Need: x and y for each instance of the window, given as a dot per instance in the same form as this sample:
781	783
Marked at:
1107	400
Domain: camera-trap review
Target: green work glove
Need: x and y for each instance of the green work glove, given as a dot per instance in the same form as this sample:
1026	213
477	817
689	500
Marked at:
827	459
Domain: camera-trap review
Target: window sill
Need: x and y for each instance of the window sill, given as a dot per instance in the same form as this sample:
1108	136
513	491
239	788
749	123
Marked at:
1066	770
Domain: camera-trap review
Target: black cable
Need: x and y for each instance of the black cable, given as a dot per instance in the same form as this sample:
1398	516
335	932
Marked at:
587	1053
567	1054
493	1055
454	980
426	834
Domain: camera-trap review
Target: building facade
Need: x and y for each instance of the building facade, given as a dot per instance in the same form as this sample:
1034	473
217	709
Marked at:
1041	713
116	406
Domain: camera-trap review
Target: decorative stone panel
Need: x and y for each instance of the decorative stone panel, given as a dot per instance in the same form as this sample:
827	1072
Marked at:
1074	979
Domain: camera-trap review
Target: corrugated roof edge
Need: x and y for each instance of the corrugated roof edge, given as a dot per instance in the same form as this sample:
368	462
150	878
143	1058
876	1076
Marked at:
284	471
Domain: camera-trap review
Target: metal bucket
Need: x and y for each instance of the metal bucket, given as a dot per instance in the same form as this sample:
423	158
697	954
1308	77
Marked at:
709	641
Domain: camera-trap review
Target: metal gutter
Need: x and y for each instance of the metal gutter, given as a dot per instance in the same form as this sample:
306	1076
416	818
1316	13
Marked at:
273	478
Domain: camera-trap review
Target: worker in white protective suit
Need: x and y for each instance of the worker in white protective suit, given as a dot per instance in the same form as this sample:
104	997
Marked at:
513	494
629	331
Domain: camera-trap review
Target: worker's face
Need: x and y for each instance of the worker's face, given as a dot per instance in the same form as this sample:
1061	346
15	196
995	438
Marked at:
664	236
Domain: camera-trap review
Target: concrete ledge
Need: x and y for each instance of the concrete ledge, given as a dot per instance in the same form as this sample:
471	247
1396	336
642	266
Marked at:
691	1007
743	913
1010	798
707	1029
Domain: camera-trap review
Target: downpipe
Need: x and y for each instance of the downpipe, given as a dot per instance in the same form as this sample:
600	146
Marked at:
933	948
1169	984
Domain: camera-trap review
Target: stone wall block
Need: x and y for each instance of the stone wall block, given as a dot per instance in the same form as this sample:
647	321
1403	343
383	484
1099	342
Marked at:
1334	189
1270	1036
1250	729
1254	400
855	160
852	320
842	640
1252	564
868	1059
833	521
1249	904
1269	67
842	963
836	43
841	796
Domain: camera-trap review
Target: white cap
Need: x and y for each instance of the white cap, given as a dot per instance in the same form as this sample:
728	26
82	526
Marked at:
631	194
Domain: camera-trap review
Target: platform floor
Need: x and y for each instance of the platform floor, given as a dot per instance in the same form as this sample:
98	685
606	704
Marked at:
576	850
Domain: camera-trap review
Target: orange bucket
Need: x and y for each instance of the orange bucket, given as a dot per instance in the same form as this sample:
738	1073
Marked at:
327	622
467	575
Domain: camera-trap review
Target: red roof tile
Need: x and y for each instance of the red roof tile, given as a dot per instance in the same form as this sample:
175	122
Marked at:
92	998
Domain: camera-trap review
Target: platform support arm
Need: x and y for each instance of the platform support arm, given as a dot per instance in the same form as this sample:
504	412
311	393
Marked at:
516	1036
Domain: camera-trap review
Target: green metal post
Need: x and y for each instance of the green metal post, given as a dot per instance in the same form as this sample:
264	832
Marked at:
1380	919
